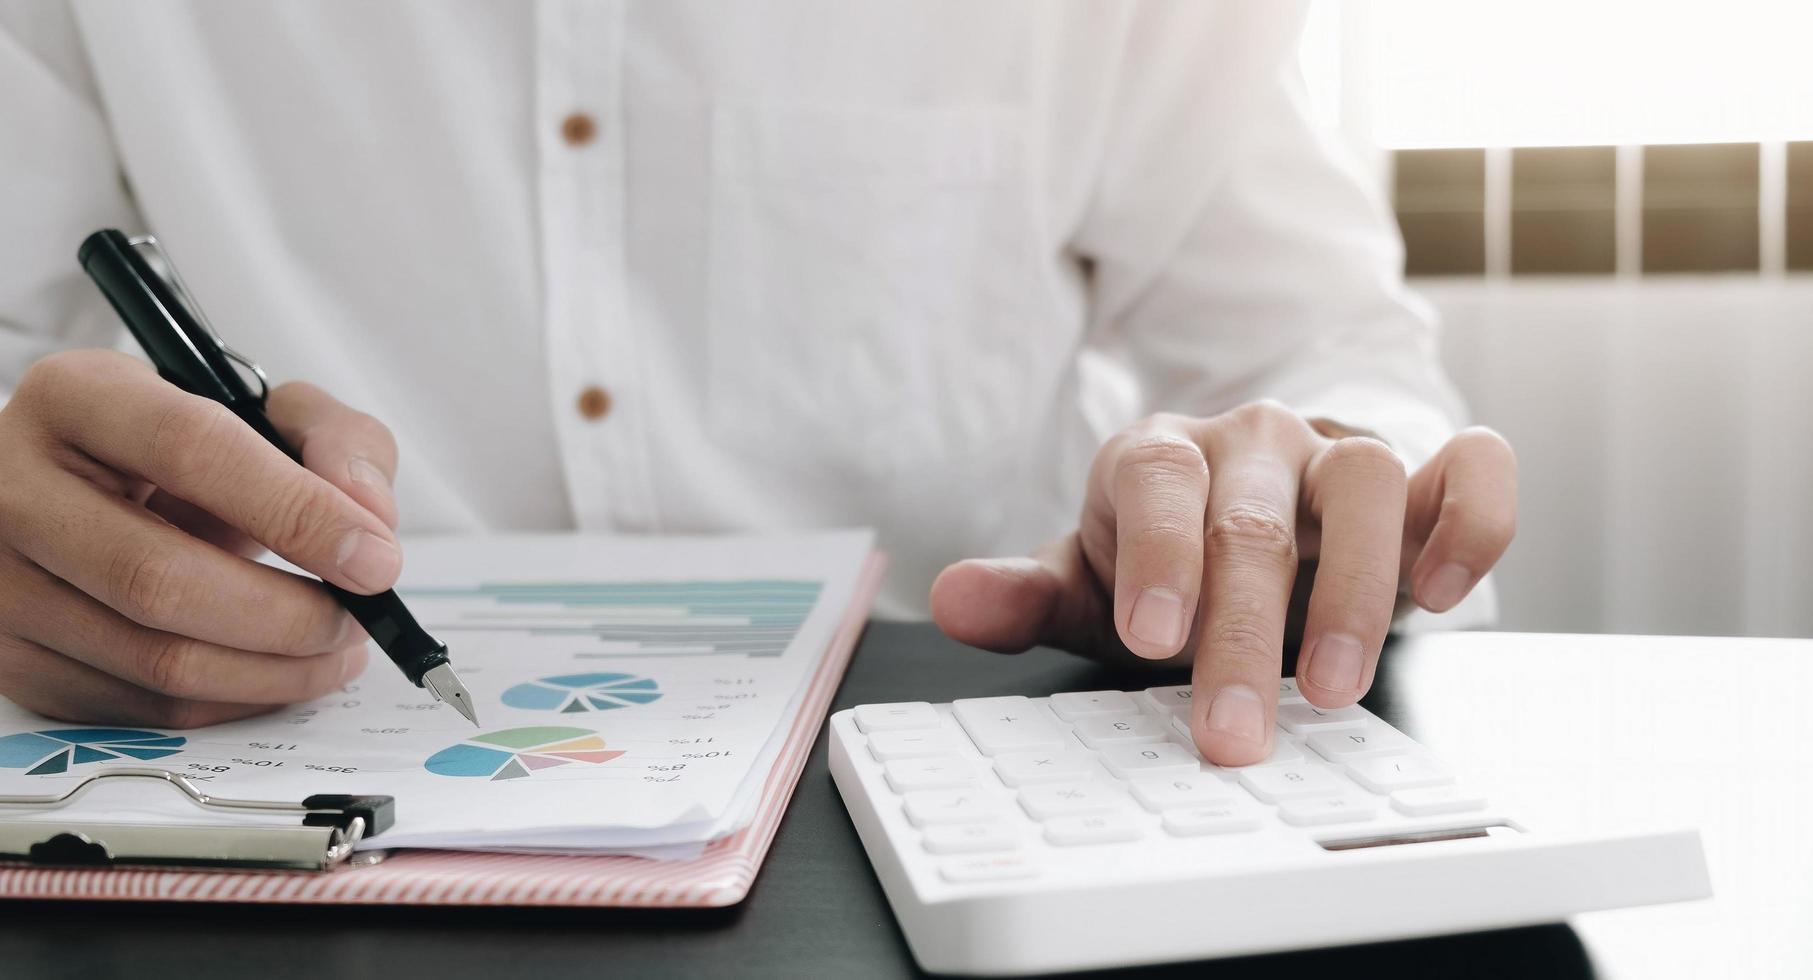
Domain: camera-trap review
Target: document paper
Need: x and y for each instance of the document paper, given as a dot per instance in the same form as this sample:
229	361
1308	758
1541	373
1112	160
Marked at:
633	693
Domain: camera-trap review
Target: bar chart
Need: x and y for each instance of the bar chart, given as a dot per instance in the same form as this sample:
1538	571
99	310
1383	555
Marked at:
730	618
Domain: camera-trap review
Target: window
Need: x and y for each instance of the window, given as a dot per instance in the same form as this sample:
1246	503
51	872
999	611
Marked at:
1547	137
1571	73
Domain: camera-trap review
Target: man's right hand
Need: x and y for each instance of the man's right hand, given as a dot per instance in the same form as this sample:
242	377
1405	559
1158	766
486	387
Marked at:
130	512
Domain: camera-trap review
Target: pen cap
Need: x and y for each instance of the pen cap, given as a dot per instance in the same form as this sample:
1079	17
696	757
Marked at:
172	335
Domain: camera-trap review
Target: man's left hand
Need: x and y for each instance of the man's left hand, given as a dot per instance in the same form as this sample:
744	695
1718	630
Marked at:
1189	542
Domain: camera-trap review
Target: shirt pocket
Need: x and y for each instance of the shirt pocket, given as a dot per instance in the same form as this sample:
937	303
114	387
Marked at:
870	282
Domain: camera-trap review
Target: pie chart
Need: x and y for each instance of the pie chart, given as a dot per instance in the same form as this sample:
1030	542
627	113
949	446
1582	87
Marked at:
515	753
49	752
574	693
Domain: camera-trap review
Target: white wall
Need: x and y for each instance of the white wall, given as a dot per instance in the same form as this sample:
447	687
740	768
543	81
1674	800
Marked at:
1664	429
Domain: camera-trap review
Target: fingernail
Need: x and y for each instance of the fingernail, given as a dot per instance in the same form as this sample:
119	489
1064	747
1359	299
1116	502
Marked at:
1336	663
368	560
1158	618
1446	586
361	471
1238	711
356	661
1014	566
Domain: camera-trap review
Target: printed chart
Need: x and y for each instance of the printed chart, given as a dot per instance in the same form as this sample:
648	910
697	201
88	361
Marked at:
575	693
636	693
729	618
514	753
54	751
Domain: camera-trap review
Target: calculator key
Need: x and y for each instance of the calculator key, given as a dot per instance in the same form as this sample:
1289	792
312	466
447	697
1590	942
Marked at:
1094	828
1179	720
894	717
1347	744
1214	818
1284	753
1011	724
1050	800
1315	810
1301	719
1062	765
1394	772
1274	783
1426	800
970	838
1150	759
932	772
886	746
931	807
994	867
1199	790
1170	698
1288	692
1097	732
1072	706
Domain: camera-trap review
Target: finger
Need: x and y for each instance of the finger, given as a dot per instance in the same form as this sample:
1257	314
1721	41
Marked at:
1011	604
64	619
347	447
52	685
160	578
198	523
1353	489
1251	562
1468	493
1158	487
199	451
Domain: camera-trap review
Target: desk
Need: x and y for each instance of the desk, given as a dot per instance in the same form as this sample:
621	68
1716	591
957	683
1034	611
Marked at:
1601	727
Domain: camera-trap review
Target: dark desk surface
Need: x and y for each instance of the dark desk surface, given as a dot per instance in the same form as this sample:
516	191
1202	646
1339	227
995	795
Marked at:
1626	728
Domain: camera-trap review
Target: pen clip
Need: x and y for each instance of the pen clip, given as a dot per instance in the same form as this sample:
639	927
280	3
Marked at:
153	254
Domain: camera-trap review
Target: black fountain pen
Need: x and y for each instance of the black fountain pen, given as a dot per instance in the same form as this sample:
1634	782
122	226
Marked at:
144	288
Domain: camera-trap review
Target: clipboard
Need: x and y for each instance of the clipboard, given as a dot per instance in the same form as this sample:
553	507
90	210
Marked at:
317	863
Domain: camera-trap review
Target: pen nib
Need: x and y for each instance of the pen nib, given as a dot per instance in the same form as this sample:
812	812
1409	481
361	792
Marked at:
445	685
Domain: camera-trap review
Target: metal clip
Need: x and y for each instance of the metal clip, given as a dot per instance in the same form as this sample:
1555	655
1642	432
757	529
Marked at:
331	828
154	256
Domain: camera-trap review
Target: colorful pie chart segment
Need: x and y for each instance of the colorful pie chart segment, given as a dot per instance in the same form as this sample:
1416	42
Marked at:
517	752
53	751
575	693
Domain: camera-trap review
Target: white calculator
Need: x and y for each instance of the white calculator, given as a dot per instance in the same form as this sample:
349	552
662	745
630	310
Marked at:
1020	835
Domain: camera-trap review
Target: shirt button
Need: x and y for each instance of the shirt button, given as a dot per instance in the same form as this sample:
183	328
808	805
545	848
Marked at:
578	129
594	403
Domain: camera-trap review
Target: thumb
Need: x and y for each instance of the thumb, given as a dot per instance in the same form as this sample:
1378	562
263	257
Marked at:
342	445
1010	604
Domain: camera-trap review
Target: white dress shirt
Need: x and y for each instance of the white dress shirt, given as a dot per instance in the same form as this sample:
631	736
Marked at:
675	266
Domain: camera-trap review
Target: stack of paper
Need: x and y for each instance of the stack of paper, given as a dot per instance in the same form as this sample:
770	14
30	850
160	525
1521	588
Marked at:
633	693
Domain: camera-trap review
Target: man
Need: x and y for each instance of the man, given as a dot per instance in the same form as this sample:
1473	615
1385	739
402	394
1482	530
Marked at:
685	266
